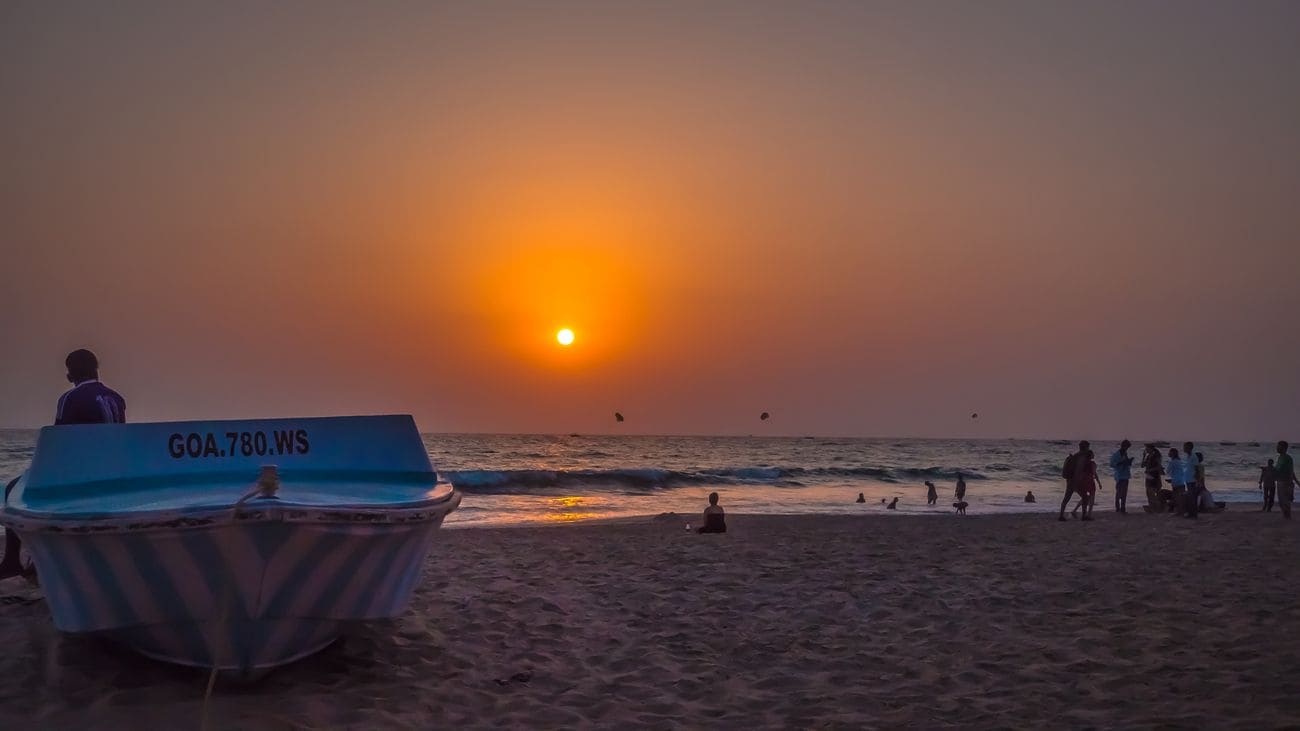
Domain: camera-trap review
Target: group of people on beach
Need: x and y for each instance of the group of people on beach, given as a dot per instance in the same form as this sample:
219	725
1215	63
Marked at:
1187	494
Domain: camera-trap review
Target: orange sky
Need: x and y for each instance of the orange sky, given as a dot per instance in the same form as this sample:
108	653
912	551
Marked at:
865	219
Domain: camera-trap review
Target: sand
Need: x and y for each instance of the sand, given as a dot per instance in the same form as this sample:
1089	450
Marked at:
786	622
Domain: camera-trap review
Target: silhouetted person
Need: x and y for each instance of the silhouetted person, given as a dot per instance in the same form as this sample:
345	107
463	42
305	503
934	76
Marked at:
1285	472
1087	483
862	498
1029	497
931	494
87	402
892	505
1067	472
714	520
1122	466
1205	501
1268	483
961	487
1194	475
1153	470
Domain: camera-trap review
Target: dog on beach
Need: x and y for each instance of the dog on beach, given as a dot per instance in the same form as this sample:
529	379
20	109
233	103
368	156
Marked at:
961	507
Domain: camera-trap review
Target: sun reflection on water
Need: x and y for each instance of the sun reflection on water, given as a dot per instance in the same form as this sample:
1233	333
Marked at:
573	508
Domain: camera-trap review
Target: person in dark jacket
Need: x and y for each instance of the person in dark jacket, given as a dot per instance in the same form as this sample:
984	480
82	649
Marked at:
87	402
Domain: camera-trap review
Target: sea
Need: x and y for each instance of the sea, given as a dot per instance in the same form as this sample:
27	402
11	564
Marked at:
539	479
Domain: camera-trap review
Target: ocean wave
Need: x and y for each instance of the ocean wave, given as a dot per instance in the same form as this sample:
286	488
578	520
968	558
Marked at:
649	478
499	481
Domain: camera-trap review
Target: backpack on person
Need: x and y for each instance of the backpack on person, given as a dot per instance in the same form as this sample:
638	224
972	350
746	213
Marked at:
1067	470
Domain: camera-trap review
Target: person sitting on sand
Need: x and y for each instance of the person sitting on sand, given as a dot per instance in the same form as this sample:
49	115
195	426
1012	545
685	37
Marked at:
714	519
862	498
1268	483
1208	504
931	494
1029	497
87	402
893	505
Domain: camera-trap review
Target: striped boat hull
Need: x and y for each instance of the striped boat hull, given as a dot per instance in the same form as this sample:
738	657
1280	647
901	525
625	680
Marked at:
239	596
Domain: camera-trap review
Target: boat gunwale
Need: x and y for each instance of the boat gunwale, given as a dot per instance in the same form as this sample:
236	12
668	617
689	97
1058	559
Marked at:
259	511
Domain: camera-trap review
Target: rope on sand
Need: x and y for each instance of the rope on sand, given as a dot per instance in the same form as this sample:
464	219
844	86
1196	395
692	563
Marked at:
268	482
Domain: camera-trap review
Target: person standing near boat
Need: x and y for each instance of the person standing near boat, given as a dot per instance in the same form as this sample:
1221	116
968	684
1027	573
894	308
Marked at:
1122	466
87	402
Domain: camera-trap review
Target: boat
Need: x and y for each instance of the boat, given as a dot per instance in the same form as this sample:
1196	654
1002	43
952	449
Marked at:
236	546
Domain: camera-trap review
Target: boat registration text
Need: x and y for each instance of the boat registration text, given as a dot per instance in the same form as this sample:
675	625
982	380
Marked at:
235	443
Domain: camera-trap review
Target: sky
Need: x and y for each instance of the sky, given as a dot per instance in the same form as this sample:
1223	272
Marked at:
1076	219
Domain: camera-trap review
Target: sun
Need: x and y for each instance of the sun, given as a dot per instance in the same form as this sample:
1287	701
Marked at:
564	337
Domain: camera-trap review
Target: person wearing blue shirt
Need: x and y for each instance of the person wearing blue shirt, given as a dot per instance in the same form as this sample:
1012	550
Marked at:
1176	479
87	402
1122	465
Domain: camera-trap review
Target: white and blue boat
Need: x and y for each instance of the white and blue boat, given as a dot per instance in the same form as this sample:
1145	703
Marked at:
234	545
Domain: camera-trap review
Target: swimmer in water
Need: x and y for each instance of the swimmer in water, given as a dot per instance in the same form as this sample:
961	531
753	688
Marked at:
893	505
1029	497
862	498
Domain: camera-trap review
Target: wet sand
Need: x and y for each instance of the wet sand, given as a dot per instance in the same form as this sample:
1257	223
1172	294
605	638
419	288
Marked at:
785	622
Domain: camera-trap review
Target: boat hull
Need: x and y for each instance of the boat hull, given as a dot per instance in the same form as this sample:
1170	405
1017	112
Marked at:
241	595
238	545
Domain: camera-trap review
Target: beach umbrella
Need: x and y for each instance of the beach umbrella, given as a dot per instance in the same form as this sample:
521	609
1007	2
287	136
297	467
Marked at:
764	416
618	417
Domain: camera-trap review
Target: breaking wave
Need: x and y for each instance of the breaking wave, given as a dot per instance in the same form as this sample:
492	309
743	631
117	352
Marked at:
640	479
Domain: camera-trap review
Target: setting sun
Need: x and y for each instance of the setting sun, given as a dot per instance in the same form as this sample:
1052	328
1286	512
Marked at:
564	337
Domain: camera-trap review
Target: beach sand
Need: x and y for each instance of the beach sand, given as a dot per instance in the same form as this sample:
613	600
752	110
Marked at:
785	622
